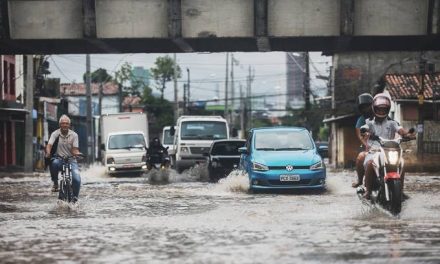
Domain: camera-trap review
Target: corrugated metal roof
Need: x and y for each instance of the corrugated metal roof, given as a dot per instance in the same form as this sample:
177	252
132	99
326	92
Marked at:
407	86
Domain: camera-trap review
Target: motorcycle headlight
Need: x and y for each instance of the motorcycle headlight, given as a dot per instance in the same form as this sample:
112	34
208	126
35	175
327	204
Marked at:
393	157
259	167
317	166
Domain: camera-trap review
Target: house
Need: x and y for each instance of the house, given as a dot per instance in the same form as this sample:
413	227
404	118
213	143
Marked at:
74	95
12	112
132	104
404	91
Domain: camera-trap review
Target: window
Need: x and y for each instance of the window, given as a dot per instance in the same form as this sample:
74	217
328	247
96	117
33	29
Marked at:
126	141
283	140
203	130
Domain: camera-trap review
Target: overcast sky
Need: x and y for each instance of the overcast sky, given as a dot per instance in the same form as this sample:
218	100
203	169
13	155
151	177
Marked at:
207	71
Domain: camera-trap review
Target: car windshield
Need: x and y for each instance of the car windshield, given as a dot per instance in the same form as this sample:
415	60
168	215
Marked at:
167	138
204	130
227	148
283	140
126	141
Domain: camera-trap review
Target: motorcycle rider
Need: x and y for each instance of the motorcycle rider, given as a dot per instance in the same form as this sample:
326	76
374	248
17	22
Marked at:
364	106
382	126
67	145
156	148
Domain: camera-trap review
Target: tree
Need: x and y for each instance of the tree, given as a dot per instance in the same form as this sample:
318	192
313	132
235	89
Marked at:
99	76
164	72
160	111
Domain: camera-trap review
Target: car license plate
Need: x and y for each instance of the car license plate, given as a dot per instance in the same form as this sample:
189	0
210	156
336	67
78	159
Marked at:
290	178
128	165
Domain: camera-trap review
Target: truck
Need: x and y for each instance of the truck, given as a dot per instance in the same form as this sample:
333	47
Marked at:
193	136
167	138
124	140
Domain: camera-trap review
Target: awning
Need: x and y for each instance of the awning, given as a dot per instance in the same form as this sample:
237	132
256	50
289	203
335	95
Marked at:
338	118
50	100
17	110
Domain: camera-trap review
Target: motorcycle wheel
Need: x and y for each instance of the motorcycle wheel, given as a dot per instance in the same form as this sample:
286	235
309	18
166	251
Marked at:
395	190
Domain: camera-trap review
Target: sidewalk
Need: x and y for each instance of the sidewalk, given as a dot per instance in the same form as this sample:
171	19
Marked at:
18	172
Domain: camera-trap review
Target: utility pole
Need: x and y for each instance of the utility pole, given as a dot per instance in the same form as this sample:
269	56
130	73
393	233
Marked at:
242	114
232	123
307	83
420	125
89	119
249	94
29	150
185	87
176	102
226	86
189	86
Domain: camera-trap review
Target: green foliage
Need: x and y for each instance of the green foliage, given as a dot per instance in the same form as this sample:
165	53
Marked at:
160	111
261	123
323	133
99	76
312	119
164	72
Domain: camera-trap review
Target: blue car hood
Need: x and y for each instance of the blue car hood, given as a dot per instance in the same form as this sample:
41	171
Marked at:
283	158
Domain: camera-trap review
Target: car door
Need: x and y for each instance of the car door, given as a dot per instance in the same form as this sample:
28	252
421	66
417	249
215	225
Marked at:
245	159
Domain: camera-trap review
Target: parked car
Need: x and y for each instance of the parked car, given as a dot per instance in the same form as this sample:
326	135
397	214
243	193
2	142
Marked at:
322	147
223	157
282	158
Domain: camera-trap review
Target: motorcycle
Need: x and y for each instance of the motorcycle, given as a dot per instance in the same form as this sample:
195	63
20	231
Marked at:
158	160
387	185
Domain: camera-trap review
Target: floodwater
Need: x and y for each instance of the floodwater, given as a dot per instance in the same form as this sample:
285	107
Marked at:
188	220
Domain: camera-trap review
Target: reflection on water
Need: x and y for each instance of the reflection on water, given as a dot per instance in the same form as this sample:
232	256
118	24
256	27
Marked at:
189	220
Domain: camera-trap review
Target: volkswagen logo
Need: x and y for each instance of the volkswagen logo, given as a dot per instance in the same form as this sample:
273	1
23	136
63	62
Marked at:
289	167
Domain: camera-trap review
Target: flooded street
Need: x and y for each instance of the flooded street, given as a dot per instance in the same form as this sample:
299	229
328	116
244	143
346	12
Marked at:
189	220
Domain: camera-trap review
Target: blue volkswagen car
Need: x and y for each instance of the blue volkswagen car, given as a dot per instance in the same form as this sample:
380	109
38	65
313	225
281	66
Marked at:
282	158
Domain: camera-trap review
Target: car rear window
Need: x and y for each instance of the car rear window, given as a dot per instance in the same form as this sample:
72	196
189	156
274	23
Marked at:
227	148
283	140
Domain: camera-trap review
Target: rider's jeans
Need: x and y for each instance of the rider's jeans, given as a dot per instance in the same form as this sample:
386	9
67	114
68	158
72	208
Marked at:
56	167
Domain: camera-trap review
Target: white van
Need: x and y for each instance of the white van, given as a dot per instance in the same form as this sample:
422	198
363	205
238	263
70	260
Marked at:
193	136
124	139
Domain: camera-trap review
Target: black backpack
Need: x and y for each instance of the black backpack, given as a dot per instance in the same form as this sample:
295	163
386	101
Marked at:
53	151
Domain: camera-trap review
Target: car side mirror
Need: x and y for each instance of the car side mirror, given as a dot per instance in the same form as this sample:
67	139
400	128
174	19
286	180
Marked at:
172	131
102	146
243	150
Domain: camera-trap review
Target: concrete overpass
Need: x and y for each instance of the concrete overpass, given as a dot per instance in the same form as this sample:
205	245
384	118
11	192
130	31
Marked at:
153	26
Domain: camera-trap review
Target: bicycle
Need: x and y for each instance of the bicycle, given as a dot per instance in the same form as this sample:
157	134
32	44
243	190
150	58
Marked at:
65	192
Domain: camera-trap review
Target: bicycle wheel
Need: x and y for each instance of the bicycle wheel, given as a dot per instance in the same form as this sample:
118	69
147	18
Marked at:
63	191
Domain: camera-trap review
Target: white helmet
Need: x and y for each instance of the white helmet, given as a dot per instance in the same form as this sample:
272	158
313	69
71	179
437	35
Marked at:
381	105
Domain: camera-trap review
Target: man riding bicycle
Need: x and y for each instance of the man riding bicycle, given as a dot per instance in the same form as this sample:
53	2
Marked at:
65	143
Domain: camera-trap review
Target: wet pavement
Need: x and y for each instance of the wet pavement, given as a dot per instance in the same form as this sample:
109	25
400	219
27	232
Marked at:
188	220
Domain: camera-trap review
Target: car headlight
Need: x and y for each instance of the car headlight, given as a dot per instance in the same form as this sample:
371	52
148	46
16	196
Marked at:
184	150
393	157
317	166
259	167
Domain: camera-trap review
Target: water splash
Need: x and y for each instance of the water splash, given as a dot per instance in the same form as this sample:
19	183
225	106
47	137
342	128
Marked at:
236	181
